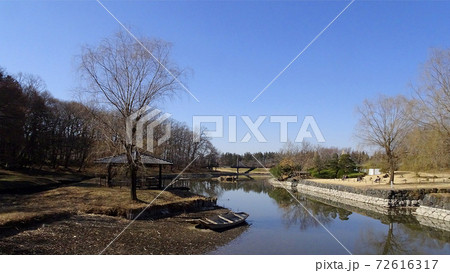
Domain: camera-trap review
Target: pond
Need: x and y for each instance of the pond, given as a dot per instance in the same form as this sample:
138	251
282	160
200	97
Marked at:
280	224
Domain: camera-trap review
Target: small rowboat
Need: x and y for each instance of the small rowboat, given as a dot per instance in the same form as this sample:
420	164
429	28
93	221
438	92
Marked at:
224	221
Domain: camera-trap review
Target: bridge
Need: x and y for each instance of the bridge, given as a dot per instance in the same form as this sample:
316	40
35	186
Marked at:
241	165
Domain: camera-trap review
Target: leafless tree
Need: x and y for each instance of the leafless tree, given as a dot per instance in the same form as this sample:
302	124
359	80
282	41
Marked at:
125	75
384	123
433	93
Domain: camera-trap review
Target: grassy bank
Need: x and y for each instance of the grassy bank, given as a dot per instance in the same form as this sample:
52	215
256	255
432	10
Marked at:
84	197
28	180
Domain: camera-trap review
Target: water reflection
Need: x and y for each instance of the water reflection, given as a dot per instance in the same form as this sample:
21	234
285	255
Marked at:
289	229
294	212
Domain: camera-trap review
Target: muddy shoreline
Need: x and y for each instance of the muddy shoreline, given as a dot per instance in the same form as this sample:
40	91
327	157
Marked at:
90	234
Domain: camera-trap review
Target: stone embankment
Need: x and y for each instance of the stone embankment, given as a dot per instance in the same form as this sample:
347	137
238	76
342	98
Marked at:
428	203
435	210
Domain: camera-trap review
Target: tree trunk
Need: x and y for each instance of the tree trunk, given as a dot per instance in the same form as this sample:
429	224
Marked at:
133	169
109	176
387	248
391	171
391	162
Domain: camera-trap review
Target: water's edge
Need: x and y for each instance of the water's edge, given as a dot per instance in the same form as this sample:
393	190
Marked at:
426	215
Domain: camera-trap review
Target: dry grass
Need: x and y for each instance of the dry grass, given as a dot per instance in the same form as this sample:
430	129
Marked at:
403	180
84	198
15	180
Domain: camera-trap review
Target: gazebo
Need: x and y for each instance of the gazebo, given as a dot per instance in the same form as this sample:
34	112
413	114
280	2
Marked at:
144	159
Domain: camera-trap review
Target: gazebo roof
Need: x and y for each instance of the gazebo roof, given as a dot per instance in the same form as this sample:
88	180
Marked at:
122	159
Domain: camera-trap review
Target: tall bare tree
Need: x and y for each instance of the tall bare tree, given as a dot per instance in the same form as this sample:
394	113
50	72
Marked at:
433	93
125	75
384	123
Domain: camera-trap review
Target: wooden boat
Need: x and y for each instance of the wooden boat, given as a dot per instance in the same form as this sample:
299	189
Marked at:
224	221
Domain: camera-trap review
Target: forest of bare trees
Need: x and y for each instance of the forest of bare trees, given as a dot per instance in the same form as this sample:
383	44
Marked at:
38	130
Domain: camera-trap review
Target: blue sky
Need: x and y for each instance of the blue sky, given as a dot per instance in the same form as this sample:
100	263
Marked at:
235	48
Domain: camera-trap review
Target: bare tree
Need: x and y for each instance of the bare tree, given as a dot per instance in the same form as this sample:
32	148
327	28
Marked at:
384	123
125	75
433	94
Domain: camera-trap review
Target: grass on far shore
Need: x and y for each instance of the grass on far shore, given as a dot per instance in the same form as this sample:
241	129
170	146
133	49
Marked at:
84	197
403	180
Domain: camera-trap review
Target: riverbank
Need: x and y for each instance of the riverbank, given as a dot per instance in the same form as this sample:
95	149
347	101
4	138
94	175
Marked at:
83	218
379	200
89	234
86	197
28	181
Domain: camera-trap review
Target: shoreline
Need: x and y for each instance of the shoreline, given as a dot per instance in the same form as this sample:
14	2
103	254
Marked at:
379	201
164	228
89	234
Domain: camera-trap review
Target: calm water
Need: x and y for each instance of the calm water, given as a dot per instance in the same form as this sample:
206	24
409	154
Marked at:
280	225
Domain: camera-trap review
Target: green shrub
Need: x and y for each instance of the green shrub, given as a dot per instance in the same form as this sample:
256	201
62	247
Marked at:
330	174
355	175
277	172
323	173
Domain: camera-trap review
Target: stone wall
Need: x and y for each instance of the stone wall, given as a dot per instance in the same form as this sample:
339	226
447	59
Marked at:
437	200
398	198
435	206
374	197
380	201
430	212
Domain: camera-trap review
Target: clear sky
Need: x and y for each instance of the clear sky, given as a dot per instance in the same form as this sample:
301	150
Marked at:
235	48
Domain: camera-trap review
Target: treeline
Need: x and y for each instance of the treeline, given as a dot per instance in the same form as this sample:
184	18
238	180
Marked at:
409	133
292	159
267	159
317	161
182	150
39	130
412	133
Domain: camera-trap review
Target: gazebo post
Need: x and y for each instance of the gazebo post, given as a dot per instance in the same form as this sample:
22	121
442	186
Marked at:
160	176
109	177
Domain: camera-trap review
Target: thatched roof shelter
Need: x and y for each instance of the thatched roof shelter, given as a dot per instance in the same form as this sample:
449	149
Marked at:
144	159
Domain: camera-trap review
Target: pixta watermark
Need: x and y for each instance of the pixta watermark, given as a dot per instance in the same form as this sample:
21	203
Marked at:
308	126
147	119
140	118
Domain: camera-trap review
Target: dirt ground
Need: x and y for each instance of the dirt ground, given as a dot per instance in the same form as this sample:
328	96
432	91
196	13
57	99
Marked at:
91	234
403	180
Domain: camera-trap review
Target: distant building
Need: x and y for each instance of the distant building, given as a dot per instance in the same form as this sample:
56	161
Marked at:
373	171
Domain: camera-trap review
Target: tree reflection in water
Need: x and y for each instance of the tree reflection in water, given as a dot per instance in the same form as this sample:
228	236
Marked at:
403	234
400	238
295	214
207	188
391	234
388	242
216	189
